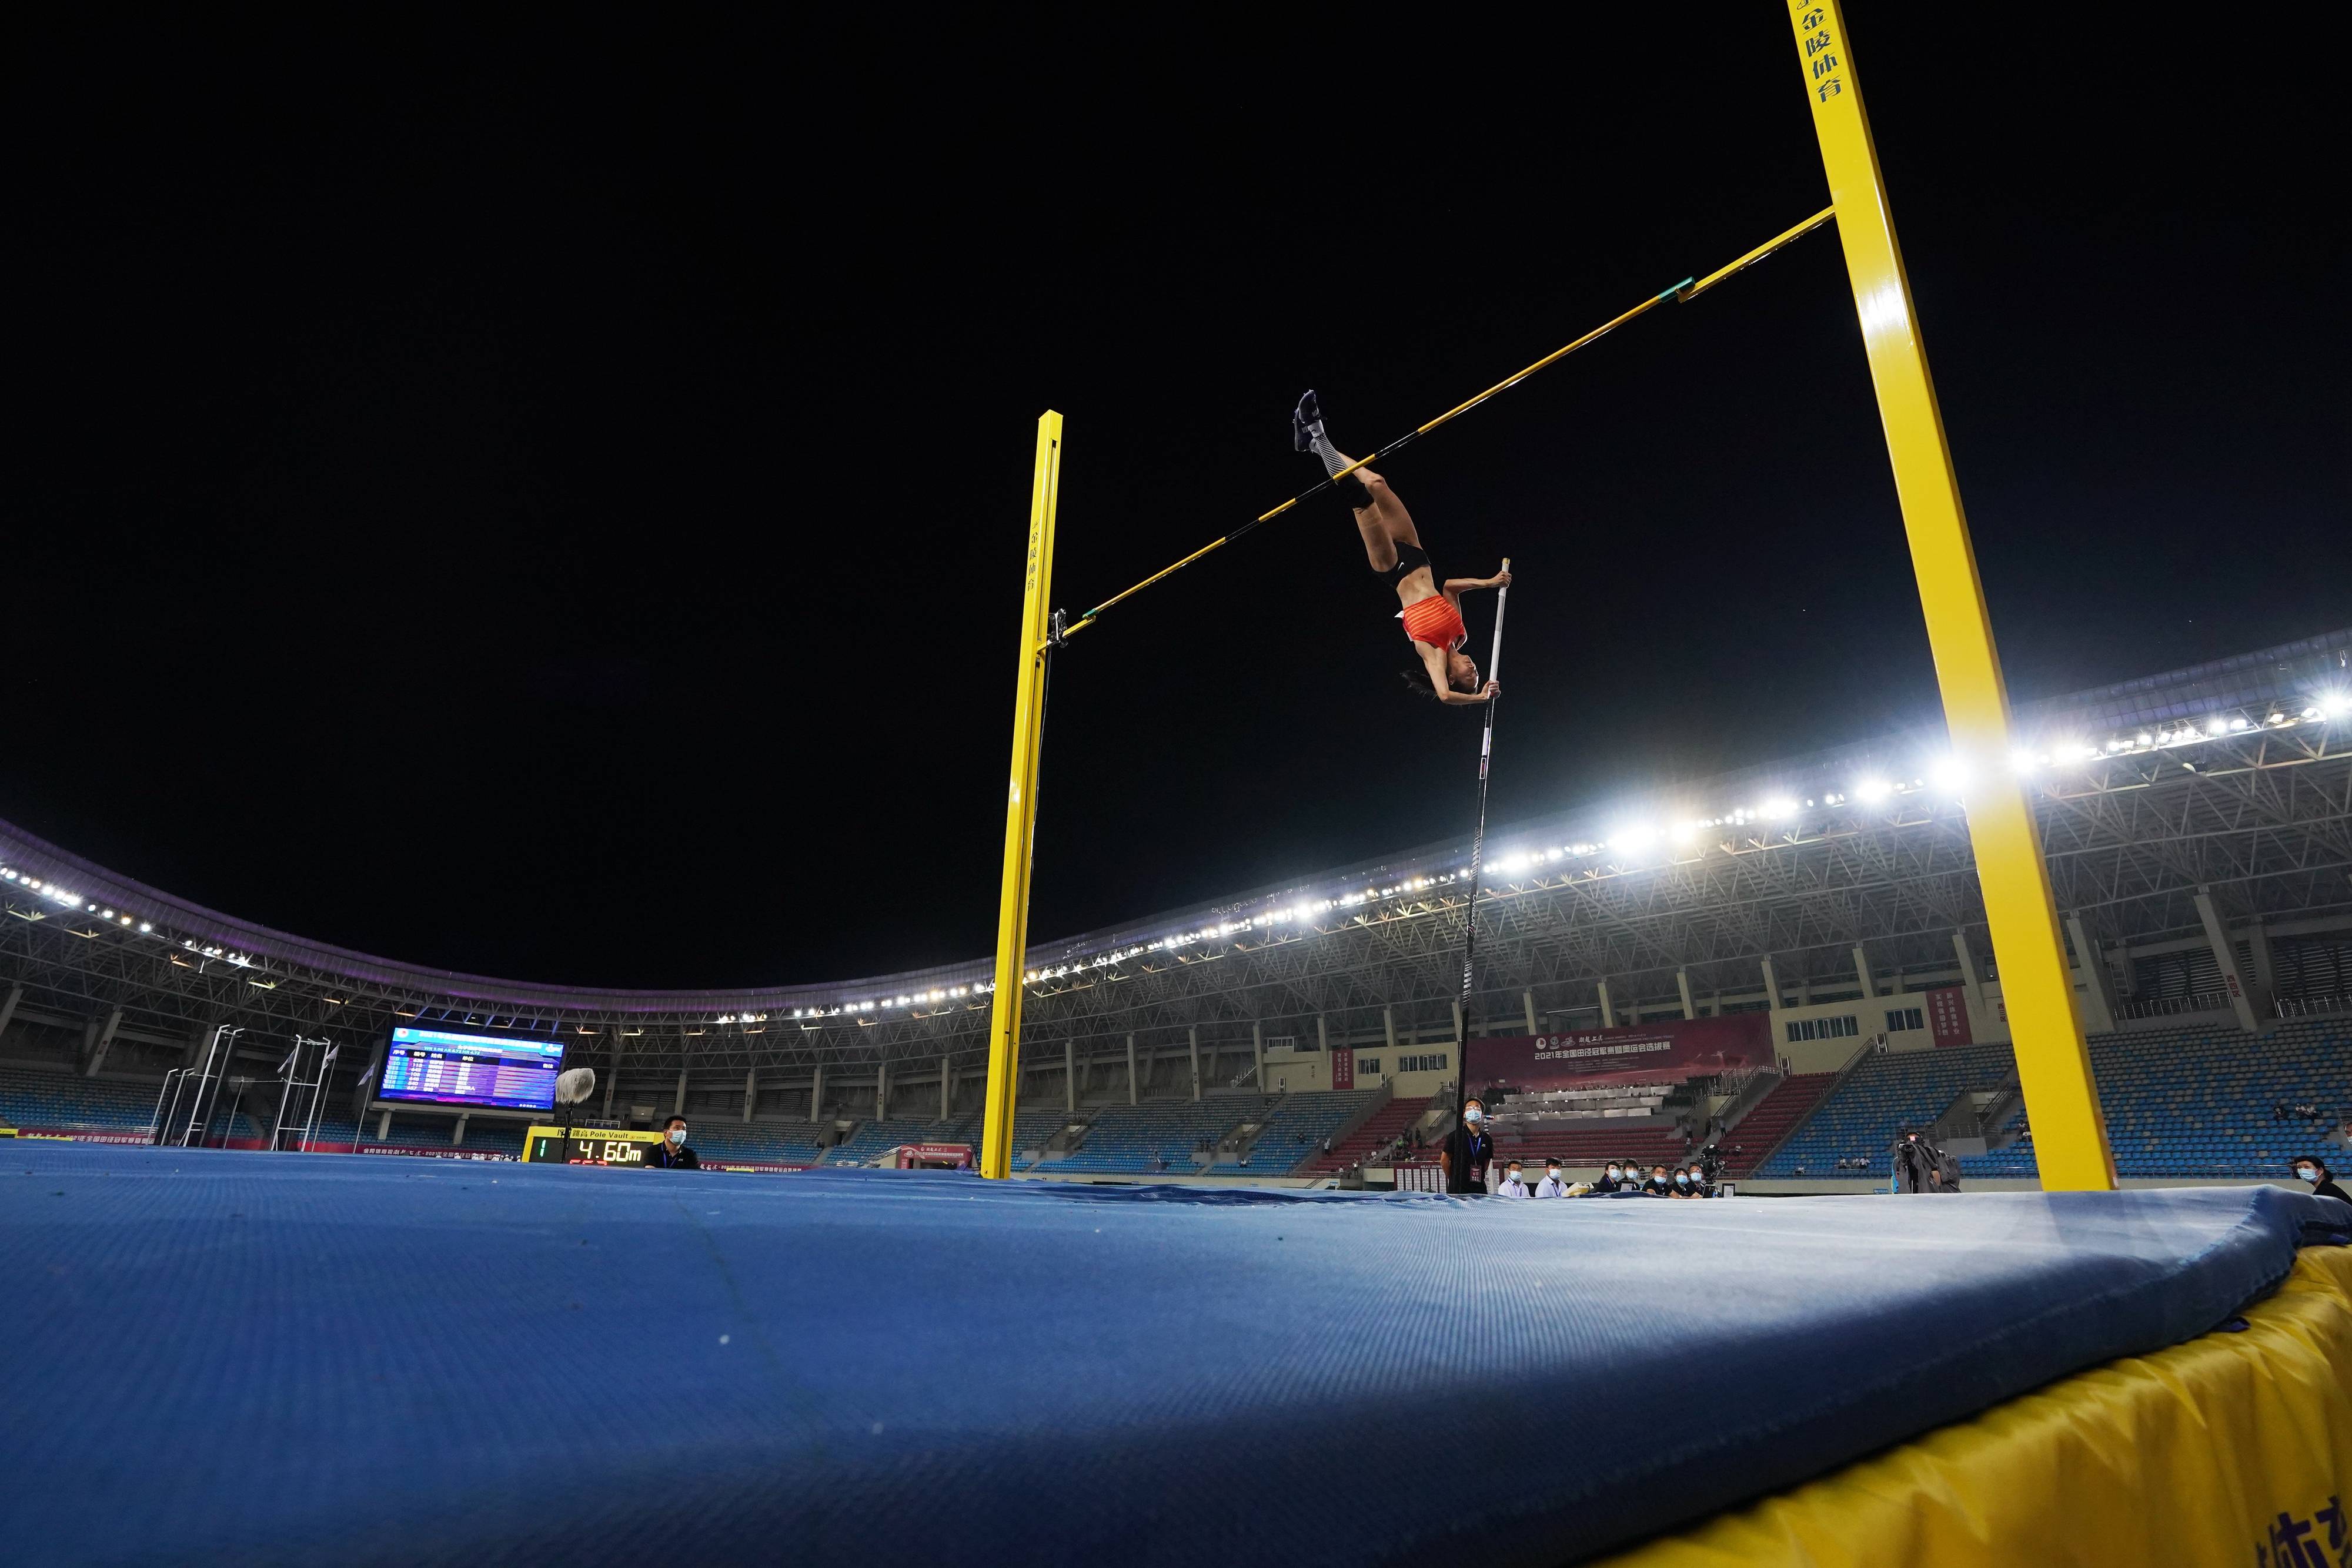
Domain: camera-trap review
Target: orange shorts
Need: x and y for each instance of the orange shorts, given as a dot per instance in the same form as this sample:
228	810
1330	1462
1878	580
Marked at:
1435	621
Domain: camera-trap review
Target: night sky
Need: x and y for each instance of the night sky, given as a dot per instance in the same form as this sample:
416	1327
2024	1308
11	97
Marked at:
552	505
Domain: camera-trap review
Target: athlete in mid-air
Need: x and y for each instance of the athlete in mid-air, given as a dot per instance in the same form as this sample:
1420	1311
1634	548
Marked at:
1433	613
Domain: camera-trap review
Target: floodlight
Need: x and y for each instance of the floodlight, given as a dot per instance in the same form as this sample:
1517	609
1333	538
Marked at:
1874	789
1779	808
1634	836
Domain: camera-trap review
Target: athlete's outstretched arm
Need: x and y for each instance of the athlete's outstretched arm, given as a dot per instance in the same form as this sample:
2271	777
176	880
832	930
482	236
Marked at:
1458	586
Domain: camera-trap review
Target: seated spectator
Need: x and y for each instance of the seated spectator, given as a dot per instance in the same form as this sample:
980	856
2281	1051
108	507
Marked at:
1658	1185
2314	1169
1613	1178
1514	1184
1551	1186
1682	1188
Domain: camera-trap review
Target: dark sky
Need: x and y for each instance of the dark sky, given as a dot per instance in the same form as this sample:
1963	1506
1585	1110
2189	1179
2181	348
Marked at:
552	505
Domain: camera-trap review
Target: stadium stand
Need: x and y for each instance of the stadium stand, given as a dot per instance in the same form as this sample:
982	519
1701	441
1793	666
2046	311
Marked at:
1761	1130
31	1097
494	1137
1033	1130
1372	1140
1294	1135
337	1133
1580	1148
2205	1103
2197	1102
1888	1092
766	1143
1134	1140
866	1143
416	1132
1591	1103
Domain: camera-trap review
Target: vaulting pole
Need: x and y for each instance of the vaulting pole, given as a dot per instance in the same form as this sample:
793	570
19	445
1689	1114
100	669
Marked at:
1477	853
2053	1065
1021	806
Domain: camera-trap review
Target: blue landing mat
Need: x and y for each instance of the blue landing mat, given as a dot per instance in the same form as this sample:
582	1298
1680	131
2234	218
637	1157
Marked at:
300	1359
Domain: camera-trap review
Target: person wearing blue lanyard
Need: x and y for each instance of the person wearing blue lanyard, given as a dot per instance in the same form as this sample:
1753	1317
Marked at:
671	1153
1468	1151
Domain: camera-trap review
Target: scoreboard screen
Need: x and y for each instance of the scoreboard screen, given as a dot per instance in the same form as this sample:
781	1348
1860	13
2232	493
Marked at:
436	1067
589	1146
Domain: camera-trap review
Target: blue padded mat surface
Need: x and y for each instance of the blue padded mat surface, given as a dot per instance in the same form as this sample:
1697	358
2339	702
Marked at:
302	1359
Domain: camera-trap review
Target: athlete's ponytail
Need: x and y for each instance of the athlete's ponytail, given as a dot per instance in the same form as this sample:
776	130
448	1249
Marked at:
1416	680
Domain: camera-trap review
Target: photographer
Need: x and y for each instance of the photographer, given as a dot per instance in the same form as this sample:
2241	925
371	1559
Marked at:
1921	1168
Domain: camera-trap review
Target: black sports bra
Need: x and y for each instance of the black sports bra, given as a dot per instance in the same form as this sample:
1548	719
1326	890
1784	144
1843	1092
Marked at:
1409	560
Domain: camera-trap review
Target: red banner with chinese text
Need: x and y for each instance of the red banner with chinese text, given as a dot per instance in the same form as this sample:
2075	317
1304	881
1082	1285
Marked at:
1948	1016
1649	1052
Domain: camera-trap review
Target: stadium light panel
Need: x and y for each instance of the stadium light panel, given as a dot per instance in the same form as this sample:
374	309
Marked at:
1780	809
1633	836
1949	776
1872	790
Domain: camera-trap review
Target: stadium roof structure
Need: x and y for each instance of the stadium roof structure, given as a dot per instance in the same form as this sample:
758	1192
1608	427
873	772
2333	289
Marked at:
2233	776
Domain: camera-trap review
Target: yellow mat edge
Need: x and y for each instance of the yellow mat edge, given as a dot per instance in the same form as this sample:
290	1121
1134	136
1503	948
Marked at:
2228	1449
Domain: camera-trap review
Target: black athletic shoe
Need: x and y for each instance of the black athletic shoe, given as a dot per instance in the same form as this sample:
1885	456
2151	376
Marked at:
1304	419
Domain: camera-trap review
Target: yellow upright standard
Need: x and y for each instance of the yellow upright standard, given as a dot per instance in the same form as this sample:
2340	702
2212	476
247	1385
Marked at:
1021	807
2053	1065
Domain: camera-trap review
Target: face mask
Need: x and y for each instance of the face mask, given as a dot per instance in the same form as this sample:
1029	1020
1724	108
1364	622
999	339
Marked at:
1552	1171
1614	1174
677	1134
1681	1181
1515	1176
1474	1115
2306	1174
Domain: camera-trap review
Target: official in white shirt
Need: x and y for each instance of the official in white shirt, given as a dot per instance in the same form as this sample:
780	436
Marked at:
1551	1186
1513	1183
